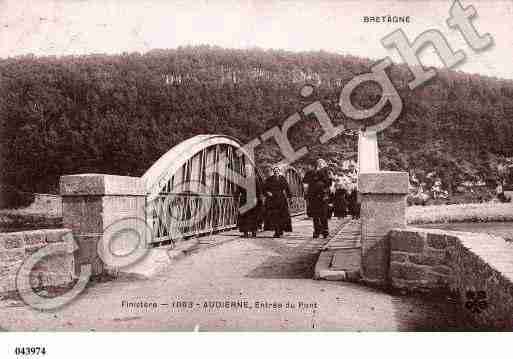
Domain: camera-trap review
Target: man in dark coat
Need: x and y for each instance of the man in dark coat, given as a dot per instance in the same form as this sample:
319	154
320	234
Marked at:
319	199
276	192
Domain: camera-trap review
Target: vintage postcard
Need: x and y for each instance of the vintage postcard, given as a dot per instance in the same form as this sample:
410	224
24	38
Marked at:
237	166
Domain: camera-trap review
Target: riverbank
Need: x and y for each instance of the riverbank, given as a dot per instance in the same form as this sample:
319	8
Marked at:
500	229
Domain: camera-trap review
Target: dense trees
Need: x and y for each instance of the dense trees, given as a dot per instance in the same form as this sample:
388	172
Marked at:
118	114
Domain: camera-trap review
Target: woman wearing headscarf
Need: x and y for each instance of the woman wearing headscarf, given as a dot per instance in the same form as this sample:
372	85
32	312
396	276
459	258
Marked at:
249	219
276	192
319	199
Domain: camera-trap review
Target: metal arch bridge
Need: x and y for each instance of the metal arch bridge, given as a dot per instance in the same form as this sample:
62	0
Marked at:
190	189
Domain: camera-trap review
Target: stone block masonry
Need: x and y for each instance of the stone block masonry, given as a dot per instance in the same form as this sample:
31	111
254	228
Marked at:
383	206
93	202
420	260
476	266
483	277
53	271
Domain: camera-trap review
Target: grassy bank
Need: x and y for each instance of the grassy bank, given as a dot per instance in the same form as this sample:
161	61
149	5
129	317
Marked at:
12	221
469	212
45	212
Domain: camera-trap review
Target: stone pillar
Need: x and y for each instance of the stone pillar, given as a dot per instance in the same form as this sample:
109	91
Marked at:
383	207
94	204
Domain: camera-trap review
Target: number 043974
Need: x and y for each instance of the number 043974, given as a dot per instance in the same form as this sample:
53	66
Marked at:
29	351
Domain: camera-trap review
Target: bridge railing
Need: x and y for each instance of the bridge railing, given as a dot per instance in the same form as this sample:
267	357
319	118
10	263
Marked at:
297	205
173	216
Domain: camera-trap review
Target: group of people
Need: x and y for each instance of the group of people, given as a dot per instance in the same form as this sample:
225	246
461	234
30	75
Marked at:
270	208
421	192
345	198
325	195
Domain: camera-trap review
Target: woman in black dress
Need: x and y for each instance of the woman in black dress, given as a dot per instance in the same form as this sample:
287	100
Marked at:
249	219
276	192
340	200
354	206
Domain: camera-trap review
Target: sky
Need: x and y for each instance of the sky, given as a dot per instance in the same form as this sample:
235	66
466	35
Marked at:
63	27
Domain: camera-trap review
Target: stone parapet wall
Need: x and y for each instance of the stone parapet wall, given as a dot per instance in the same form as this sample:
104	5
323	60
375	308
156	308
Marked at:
52	271
483	277
421	260
477	267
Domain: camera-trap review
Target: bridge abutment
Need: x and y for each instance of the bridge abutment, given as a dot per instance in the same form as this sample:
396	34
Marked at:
383	207
97	206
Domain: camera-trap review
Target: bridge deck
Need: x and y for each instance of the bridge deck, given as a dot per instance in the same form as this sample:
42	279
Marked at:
263	270
300	237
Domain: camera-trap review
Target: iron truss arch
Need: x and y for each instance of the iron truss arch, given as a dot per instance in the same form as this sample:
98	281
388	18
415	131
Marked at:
190	189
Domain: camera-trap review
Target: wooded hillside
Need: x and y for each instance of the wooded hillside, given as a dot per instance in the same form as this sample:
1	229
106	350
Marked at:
117	114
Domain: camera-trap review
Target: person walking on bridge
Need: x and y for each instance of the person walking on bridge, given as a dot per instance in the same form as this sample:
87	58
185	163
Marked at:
340	198
319	193
276	192
307	181
250	219
354	206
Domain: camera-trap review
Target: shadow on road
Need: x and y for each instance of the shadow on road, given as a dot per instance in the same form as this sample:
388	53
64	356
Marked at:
415	313
291	267
293	262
